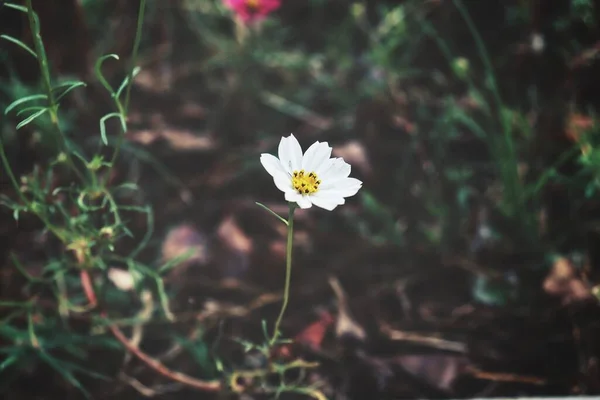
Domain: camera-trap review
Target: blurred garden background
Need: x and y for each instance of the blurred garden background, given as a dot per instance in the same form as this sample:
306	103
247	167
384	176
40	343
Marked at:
136	263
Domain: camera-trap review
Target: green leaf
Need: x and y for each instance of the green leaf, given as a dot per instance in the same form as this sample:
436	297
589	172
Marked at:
459	116
149	231
164	299
17	264
273	213
71	86
492	291
98	72
175	261
19	43
29	109
16	7
136	71
9	361
80	156
200	352
30	119
126	186
103	125
25	99
57	365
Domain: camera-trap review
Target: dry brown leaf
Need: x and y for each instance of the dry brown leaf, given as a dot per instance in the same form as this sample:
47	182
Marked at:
437	370
192	110
564	282
577	126
178	139
182	239
345	323
233	236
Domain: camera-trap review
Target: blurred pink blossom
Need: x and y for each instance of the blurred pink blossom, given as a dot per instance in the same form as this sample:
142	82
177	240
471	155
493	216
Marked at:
251	10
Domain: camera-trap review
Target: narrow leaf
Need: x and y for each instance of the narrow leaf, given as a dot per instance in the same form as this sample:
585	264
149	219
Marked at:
273	213
25	99
19	43
16	7
74	85
98	71
30	119
103	125
27	110
57	365
136	71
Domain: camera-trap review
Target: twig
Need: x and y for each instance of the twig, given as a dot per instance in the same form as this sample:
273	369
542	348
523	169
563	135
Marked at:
88	288
145	390
209	386
506	377
429	341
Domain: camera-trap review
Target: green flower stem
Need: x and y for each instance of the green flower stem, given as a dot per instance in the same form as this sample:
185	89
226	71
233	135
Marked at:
288	271
124	111
11	175
40	51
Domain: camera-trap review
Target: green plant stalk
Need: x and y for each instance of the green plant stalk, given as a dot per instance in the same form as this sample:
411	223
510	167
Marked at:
508	170
11	175
45	71
288	271
134	55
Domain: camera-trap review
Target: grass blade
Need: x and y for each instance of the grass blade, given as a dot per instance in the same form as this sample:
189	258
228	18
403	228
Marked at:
20	44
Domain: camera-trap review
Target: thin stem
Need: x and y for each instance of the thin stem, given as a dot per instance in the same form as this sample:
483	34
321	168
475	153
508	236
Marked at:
508	170
272	212
11	175
208	386
134	55
288	271
26	202
88	287
45	71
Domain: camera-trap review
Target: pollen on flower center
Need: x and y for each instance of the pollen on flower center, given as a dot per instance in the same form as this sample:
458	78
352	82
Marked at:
252	4
305	183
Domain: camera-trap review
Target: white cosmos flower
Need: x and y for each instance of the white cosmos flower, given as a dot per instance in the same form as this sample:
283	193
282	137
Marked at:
312	177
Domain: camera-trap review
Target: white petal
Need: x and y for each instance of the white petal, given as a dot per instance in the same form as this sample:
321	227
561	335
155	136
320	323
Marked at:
338	170
272	164
304	202
295	197
345	187
290	153
316	155
283	183
280	177
292	196
326	202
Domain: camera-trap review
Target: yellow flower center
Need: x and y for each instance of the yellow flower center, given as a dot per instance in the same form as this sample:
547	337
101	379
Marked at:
305	183
252	4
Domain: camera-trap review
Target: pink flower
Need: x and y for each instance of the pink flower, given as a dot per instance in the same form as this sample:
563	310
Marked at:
251	10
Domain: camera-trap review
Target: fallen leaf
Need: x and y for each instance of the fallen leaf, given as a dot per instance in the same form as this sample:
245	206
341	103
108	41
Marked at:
437	370
312	336
233	237
345	325
564	282
182	239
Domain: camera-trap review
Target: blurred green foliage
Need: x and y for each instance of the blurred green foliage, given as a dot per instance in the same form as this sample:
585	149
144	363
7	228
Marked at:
262	81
